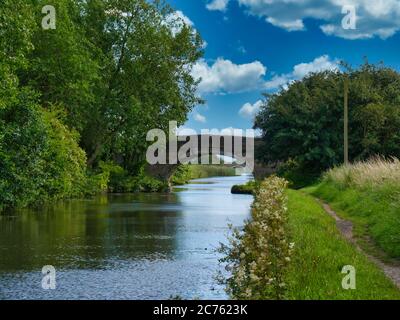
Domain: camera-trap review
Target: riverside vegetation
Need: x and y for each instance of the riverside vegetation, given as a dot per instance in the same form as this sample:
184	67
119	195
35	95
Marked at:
291	249
258	257
306	118
77	101
368	194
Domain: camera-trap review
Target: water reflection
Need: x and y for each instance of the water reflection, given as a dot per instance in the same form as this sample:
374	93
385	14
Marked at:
136	246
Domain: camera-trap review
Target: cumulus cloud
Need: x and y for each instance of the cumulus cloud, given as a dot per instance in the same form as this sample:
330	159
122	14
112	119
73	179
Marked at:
249	111
178	20
217	5
224	76
301	70
199	118
379	18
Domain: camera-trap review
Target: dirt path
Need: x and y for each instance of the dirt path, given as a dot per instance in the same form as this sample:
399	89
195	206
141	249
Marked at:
345	227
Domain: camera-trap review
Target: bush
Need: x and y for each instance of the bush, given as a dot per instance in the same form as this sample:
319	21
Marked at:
258	257
247	188
39	157
298	175
112	178
181	176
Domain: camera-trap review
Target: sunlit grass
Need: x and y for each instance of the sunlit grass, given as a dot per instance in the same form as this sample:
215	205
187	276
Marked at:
206	171
320	253
368	194
375	173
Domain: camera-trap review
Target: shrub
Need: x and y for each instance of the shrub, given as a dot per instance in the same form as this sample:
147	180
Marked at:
181	175
40	158
258	257
247	188
297	174
112	178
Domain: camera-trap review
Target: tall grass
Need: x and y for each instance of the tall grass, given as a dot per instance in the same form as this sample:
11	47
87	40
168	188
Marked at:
368	194
206	171
372	174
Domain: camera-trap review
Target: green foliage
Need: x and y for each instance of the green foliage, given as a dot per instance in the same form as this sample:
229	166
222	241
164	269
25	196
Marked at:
305	122
321	252
248	188
298	175
372	205
206	171
150	184
145	78
258	258
182	175
109	72
185	173
39	158
110	177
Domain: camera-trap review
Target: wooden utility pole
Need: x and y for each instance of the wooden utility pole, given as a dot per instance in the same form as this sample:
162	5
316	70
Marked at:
346	120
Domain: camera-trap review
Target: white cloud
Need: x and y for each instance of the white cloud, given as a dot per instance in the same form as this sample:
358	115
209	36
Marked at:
178	20
217	5
224	76
249	111
199	118
379	18
319	64
292	25
301	70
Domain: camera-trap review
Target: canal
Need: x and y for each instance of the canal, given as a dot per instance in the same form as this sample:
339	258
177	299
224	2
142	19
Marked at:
128	246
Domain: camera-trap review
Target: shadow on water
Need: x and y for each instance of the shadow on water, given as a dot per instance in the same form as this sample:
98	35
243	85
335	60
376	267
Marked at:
123	246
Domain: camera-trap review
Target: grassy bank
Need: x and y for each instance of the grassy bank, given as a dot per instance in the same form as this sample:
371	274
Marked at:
368	194
291	249
205	171
247	188
320	254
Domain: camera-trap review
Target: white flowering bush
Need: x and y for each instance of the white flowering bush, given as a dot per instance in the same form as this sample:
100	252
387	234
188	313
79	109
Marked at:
258	256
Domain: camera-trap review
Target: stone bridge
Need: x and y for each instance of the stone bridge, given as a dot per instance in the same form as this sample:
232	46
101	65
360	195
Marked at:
199	149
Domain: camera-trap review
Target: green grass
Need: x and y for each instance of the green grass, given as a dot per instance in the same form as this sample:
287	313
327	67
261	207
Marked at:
320	254
247	188
375	214
185	173
206	171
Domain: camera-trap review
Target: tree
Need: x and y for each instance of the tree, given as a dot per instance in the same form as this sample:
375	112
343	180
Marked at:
146	54
305	122
39	156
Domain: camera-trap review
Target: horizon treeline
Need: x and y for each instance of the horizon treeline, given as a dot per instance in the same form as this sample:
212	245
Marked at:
302	125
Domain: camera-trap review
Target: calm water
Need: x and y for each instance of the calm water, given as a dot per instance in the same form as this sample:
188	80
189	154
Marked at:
136	246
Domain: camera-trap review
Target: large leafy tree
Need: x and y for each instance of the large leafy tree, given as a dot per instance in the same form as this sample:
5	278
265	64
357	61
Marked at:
39	156
146	53
305	122
117	68
110	71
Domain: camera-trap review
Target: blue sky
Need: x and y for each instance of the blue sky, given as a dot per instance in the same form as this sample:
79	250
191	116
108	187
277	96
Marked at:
253	46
